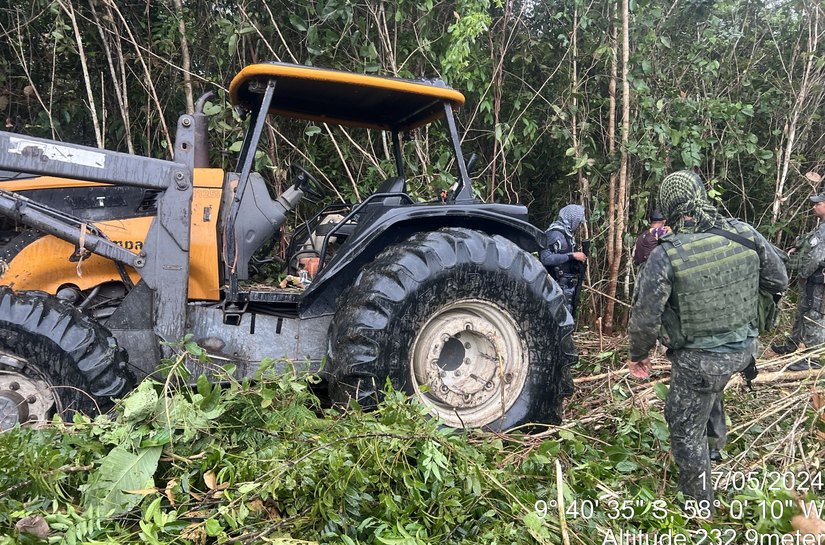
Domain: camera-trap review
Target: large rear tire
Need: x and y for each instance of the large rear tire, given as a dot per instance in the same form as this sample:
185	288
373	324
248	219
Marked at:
53	359
468	322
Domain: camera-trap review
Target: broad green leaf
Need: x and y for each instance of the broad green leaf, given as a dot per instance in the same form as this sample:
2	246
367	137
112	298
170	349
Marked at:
661	391
120	471
297	22
627	466
536	527
213	527
566	435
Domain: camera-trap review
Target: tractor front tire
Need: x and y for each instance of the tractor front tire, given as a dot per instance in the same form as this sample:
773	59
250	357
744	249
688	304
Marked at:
469	323
53	359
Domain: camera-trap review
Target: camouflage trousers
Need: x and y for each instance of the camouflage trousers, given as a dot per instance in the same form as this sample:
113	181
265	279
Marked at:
809	324
695	413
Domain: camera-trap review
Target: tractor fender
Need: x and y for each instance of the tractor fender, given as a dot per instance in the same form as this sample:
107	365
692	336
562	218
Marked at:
394	224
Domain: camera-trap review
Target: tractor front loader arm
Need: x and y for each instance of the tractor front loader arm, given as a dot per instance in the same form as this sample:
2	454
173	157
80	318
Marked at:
164	261
53	222
50	158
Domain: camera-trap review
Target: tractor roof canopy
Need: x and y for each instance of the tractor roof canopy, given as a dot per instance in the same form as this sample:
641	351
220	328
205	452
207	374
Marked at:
343	98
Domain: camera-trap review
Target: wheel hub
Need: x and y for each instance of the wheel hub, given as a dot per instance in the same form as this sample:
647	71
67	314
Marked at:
473	362
24	399
13	409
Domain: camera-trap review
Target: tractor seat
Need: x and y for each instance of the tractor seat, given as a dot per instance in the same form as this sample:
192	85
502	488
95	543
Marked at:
393	184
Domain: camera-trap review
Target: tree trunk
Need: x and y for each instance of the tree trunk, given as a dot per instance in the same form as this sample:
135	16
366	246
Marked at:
613	275
813	75
69	9
186	64
611	141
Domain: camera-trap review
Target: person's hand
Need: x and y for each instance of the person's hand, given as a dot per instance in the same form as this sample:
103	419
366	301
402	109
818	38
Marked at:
579	256
639	369
659	232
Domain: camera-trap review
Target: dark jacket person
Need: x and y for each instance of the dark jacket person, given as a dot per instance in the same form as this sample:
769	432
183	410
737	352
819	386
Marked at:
701	290
561	258
649	238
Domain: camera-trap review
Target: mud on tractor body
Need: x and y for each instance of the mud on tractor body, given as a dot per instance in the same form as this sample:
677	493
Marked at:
105	255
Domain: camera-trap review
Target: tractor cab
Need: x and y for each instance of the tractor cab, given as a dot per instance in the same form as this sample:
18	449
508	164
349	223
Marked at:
336	98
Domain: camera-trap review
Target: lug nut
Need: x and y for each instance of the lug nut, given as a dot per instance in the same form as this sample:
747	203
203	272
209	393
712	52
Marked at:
14	386
467	346
445	337
488	385
31	400
508	378
457	373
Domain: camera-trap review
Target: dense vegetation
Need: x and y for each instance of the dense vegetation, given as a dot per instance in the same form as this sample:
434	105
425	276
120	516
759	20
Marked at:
558	108
262	462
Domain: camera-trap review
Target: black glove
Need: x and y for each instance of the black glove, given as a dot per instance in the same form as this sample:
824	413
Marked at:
750	372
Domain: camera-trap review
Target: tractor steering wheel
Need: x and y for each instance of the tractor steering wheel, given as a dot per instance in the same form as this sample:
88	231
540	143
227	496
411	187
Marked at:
306	182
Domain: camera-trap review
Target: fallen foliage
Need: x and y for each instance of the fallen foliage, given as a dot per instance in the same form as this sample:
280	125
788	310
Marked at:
260	461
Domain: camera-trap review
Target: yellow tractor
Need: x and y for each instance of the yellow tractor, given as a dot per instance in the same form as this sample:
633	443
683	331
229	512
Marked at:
106	257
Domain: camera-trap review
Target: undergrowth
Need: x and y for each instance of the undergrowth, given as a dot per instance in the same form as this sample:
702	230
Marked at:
259	461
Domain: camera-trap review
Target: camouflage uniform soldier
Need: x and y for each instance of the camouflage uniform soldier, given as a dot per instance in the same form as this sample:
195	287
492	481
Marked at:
561	258
699	291
807	260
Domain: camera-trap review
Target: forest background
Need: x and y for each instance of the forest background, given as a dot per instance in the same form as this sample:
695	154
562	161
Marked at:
589	101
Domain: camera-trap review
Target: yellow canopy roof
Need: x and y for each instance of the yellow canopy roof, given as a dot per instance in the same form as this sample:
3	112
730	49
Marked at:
343	98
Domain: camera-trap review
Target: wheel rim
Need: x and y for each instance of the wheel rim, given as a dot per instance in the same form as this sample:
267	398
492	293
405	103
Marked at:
23	398
469	363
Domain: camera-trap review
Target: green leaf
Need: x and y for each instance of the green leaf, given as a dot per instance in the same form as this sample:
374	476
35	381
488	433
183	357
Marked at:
233	44
141	403
297	22
566	435
661	391
213	527
312	130
121	471
536	527
246	488
204	388
627	466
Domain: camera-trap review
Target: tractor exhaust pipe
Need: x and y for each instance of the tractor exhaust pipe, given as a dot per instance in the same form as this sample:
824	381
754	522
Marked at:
201	132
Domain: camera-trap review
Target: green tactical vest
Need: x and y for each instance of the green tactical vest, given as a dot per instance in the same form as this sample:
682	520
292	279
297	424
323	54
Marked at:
802	254
716	286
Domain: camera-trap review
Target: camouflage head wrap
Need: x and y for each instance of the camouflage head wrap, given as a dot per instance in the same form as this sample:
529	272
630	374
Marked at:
683	194
570	218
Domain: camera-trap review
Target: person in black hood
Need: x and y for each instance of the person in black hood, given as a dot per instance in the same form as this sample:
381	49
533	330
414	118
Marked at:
562	258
